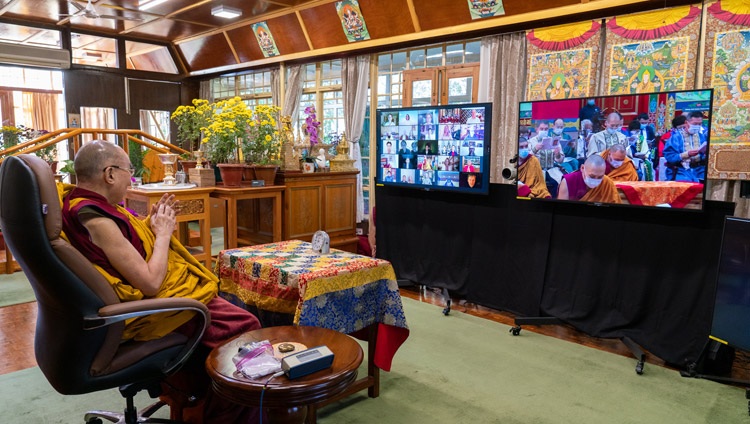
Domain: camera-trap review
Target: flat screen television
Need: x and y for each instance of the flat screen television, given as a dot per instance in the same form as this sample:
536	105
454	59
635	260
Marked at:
731	316
645	150
435	147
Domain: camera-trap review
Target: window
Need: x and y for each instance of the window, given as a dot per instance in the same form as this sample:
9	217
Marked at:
254	87
322	88
149	57
93	50
155	123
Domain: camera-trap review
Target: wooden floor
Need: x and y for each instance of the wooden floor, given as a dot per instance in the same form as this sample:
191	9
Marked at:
17	326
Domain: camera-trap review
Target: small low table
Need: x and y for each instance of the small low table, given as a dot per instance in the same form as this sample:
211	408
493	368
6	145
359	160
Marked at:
284	400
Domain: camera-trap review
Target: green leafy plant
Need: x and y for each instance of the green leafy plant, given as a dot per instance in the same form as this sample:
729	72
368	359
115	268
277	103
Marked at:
68	168
227	125
190	121
262	143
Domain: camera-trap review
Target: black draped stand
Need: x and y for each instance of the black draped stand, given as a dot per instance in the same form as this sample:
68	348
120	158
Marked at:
615	272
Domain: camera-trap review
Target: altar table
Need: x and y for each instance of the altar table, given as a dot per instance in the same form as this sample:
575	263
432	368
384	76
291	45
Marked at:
340	290
677	194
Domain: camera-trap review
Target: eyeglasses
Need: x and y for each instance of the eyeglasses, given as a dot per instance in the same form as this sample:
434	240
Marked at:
130	170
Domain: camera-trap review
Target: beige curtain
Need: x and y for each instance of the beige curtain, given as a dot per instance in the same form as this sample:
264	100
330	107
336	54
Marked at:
41	110
275	86
355	77
204	91
729	191
98	117
293	92
502	73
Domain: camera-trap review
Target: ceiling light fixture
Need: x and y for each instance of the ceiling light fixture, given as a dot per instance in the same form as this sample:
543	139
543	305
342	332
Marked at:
226	12
148	4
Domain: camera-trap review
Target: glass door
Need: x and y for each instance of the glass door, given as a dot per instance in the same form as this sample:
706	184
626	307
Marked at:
421	87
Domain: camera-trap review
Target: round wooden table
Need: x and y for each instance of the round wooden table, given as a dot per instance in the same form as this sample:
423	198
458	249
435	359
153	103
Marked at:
284	400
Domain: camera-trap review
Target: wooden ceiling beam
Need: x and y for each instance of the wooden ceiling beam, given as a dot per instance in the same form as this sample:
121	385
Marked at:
481	25
304	29
414	18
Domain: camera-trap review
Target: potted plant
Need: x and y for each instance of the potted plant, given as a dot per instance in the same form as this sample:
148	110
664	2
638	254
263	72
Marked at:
227	124
261	147
49	155
190	120
69	169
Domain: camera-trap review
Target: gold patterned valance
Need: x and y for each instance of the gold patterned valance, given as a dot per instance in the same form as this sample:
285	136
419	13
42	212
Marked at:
563	37
736	12
652	25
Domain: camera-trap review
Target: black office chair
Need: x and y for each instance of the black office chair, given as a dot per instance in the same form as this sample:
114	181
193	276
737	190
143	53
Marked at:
80	320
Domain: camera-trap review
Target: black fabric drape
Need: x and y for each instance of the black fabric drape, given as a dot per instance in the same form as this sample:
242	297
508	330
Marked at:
648	274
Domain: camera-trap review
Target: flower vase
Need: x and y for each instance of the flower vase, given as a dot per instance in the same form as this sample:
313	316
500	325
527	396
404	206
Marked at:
231	174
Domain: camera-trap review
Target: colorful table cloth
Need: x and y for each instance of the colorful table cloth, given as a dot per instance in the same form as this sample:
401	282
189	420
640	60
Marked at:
651	193
341	291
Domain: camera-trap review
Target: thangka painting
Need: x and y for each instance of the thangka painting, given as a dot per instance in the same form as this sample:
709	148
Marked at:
653	51
352	20
727	70
562	61
485	8
265	39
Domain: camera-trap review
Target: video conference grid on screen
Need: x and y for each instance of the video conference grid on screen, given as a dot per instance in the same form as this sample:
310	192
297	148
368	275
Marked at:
653	146
440	147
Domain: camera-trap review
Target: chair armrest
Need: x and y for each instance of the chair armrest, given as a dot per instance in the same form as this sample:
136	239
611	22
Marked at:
111	314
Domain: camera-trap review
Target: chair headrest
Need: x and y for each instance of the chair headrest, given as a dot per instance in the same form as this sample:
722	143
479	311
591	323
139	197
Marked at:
47	193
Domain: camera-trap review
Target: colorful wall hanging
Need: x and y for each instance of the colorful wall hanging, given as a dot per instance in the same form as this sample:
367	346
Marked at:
727	70
652	51
352	20
265	39
485	8
562	61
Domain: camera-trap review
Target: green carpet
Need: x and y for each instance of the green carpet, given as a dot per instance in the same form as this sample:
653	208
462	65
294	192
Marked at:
14	289
462	369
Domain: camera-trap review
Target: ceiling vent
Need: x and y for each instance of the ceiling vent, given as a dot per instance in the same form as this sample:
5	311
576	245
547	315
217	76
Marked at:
24	55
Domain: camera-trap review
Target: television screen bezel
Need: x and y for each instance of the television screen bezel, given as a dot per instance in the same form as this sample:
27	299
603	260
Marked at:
720	336
667	123
487	149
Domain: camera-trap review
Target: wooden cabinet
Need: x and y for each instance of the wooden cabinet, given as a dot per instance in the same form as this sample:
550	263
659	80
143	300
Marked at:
320	201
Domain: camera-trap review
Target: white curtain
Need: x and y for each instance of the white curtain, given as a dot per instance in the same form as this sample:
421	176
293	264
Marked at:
355	76
502	78
293	92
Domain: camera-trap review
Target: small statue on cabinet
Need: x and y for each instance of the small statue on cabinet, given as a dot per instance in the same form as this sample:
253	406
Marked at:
321	159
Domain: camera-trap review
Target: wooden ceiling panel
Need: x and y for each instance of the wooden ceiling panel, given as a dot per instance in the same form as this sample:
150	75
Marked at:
162	9
168	29
207	52
288	34
286	31
433	14
518	7
245	44
388	21
45	10
324	26
250	9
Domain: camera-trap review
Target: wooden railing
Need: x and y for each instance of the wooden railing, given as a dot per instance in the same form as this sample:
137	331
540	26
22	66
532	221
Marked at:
74	134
